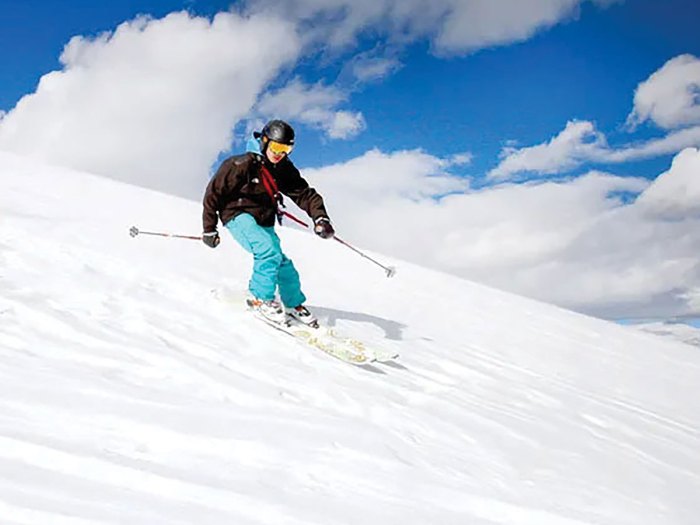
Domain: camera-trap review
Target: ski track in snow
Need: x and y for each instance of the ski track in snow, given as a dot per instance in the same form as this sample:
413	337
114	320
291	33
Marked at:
130	393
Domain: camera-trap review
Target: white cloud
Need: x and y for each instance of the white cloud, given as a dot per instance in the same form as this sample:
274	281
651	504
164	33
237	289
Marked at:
581	143
461	159
476	24
154	102
578	142
404	175
455	26
672	143
582	243
366	68
671	96
346	124
314	105
298	99
676	193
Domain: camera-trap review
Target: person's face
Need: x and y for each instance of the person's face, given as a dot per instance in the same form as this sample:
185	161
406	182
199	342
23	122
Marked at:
274	157
275	151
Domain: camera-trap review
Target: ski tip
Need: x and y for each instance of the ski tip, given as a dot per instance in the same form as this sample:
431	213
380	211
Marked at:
361	359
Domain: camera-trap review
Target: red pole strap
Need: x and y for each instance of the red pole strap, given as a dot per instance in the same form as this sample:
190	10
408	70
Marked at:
298	221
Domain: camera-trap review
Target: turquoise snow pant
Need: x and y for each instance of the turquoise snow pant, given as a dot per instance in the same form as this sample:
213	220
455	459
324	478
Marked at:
271	267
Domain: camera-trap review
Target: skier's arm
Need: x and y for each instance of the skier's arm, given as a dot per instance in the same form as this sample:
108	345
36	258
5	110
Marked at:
303	195
222	183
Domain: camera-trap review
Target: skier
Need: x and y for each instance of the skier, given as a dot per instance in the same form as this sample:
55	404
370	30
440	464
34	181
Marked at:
246	194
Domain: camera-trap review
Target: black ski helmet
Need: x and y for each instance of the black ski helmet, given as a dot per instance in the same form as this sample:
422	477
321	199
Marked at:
279	131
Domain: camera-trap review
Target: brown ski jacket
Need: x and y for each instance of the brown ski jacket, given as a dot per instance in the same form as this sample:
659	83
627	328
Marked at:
238	187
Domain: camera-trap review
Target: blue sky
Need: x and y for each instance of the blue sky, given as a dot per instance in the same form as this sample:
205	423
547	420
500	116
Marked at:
575	124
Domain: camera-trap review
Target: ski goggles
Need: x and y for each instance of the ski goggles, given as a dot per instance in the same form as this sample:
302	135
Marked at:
278	148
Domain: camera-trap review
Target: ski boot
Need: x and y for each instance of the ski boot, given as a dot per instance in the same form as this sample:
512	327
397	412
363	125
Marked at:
302	314
270	310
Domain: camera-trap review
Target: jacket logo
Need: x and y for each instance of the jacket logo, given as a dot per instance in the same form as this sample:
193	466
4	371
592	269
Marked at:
255	180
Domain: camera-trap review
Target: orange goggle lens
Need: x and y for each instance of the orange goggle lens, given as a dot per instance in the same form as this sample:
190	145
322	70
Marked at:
278	149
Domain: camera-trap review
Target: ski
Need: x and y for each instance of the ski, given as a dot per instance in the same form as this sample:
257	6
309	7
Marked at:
318	336
380	355
345	349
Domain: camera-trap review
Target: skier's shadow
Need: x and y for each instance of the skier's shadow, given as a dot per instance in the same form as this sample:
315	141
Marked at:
392	329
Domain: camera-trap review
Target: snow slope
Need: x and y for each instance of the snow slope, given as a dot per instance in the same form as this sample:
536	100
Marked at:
134	390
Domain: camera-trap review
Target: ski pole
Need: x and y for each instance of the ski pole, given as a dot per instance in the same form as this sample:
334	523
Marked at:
390	270
134	231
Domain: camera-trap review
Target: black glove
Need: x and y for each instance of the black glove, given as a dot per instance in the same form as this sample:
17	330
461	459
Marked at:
211	239
324	228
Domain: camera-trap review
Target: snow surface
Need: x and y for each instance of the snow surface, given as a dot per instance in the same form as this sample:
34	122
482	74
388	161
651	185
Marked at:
134	390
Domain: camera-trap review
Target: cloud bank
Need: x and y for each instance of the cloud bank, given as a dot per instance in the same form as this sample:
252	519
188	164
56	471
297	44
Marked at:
585	243
154	102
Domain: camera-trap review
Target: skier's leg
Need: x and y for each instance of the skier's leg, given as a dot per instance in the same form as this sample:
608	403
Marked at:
290	285
287	277
267	256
